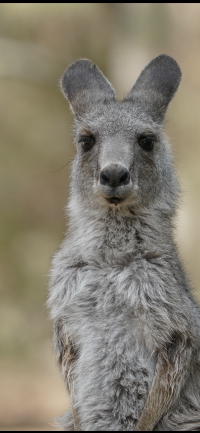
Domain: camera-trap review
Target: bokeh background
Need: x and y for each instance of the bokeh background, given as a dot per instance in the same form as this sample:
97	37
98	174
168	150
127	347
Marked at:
37	42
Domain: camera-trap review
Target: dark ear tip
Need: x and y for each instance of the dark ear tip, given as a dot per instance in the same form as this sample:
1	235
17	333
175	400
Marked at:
165	59
76	67
80	65
168	63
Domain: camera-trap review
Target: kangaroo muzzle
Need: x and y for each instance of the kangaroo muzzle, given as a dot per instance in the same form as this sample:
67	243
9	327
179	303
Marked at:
114	183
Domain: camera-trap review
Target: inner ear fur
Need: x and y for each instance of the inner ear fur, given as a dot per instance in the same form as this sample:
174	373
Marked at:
156	86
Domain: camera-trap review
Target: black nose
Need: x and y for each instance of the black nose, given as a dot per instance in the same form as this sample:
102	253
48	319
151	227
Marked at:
114	176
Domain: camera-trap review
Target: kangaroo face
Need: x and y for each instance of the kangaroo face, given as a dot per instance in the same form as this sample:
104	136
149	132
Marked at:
118	156
121	156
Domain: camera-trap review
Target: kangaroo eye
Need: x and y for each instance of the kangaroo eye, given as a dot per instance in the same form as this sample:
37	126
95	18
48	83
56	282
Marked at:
87	141
146	142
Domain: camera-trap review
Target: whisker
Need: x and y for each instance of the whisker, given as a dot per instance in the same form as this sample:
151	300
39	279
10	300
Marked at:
60	168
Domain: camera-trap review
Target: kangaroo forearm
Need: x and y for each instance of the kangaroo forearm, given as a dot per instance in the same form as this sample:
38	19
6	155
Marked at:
157	403
167	383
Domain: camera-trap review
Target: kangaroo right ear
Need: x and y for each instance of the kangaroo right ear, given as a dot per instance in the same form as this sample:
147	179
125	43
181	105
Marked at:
84	85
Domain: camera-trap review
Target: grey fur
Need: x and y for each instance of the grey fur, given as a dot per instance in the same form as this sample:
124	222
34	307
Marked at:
127	328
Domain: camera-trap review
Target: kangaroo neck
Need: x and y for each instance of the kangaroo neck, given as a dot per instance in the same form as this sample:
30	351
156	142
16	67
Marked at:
116	233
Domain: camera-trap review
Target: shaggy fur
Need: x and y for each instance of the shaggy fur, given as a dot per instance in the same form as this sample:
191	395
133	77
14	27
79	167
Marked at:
127	329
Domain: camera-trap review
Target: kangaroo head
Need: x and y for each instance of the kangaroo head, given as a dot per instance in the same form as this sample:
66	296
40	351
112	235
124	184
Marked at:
122	158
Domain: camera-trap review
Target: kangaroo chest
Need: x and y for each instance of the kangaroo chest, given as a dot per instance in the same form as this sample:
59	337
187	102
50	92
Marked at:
115	303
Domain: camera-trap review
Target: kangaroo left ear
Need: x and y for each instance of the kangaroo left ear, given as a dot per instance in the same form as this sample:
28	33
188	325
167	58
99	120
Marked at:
156	86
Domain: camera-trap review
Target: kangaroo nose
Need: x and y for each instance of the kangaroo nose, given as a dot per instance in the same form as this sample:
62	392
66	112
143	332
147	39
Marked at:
114	176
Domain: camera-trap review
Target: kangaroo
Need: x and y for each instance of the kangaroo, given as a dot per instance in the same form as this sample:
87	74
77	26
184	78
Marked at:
126	325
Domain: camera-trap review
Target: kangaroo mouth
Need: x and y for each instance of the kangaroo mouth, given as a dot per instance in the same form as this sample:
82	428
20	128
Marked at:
114	200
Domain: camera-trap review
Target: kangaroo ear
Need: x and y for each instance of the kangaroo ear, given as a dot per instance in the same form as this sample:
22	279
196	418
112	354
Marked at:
156	86
84	85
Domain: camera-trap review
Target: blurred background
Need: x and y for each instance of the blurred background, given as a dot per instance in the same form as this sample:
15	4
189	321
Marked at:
37	42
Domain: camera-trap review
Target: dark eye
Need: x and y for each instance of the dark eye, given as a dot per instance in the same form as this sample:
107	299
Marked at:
146	142
87	141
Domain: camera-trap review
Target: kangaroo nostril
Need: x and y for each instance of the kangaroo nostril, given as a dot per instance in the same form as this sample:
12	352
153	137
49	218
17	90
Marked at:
124	177
104	178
